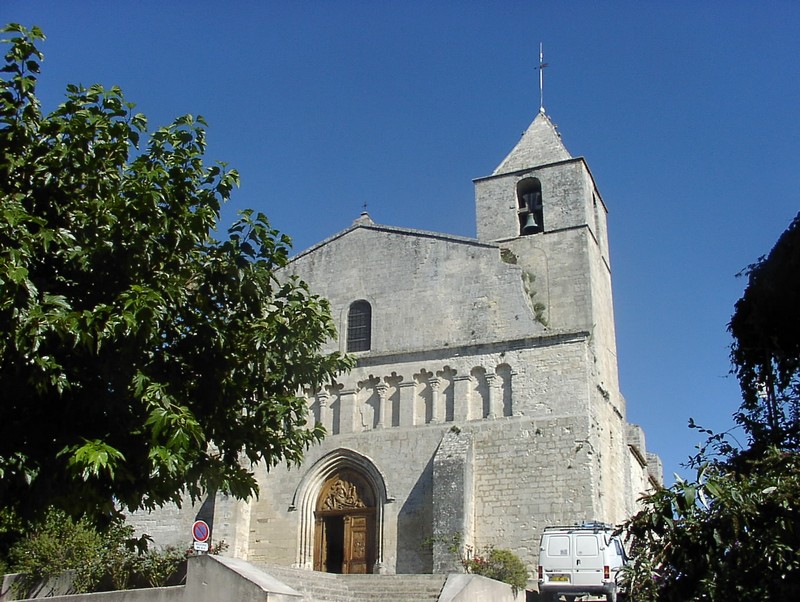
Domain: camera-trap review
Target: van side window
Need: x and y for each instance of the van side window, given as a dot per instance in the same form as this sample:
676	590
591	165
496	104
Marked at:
558	546
586	545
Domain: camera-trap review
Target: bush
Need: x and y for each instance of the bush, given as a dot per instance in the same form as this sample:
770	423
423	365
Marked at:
56	545
499	564
121	556
112	560
157	566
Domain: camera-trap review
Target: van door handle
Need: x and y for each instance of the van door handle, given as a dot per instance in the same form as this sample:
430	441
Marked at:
578	561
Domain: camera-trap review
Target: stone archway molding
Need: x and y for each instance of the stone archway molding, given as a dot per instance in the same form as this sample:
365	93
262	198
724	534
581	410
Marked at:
308	490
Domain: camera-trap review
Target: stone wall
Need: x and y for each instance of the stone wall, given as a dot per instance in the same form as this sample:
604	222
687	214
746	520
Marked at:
517	475
171	525
554	452
426	290
544	376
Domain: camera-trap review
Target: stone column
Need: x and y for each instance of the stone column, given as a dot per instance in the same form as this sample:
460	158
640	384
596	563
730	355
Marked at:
382	389
408	412
462	398
437	408
495	399
386	553
323	403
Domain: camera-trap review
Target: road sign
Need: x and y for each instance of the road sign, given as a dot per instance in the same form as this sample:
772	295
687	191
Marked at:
201	546
200	531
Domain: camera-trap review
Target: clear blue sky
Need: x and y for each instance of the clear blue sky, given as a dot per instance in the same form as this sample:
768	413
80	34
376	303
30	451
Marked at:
687	113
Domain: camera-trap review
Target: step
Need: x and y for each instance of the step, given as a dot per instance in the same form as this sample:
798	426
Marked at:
328	587
315	586
395	587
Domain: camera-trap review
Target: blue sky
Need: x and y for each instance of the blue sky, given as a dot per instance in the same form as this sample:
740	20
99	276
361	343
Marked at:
687	113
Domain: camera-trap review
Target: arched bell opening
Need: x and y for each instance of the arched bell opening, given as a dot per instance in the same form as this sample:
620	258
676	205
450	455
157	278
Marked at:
530	210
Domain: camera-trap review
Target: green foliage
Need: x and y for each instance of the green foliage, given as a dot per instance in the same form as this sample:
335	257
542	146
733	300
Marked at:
56	545
113	559
723	536
121	555
732	533
494	563
498	564
766	347
140	358
528	280
158	566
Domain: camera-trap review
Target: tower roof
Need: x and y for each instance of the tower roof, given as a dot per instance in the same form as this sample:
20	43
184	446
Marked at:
540	145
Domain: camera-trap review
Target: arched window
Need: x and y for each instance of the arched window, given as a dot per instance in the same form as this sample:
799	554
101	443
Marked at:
529	206
359	326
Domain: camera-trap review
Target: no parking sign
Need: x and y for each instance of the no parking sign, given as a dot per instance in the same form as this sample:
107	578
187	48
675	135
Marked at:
200	533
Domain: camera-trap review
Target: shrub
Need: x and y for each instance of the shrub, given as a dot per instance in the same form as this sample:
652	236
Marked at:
499	564
112	560
157	566
120	556
56	545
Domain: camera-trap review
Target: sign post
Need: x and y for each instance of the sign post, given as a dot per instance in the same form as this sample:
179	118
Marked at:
201	534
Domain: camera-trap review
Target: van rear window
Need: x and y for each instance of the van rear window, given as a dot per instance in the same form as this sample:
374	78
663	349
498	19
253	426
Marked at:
586	545
558	545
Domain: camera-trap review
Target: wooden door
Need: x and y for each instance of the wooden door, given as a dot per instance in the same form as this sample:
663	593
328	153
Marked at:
357	544
345	535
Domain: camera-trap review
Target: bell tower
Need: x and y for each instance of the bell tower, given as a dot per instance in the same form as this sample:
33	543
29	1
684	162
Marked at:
542	206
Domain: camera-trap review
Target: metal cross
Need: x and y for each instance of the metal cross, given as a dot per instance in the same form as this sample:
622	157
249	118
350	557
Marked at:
541	67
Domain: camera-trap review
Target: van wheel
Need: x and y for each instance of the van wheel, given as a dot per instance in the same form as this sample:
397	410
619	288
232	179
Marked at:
547	597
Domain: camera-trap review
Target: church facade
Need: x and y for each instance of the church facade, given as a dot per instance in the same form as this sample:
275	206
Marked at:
485	403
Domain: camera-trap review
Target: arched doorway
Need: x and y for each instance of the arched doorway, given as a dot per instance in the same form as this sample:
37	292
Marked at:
344	525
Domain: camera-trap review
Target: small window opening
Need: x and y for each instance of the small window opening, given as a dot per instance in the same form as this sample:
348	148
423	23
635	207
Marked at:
359	327
529	206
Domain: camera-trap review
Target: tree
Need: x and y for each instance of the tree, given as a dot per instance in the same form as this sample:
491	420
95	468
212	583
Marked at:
766	348
732	532
727	535
140	358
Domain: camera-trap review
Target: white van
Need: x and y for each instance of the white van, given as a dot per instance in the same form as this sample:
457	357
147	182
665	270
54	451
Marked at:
582	560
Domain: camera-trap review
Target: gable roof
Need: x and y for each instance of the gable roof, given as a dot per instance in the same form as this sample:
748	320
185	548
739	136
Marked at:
364	221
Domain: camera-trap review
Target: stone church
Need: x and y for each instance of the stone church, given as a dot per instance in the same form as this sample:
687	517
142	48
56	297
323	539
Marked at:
485	404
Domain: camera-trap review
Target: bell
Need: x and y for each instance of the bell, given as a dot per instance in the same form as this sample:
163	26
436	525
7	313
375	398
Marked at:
530	225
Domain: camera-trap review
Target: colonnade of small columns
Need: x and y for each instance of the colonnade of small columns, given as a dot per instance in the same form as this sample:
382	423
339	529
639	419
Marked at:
425	398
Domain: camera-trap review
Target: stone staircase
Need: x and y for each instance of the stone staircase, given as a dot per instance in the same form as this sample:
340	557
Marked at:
327	587
399	588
